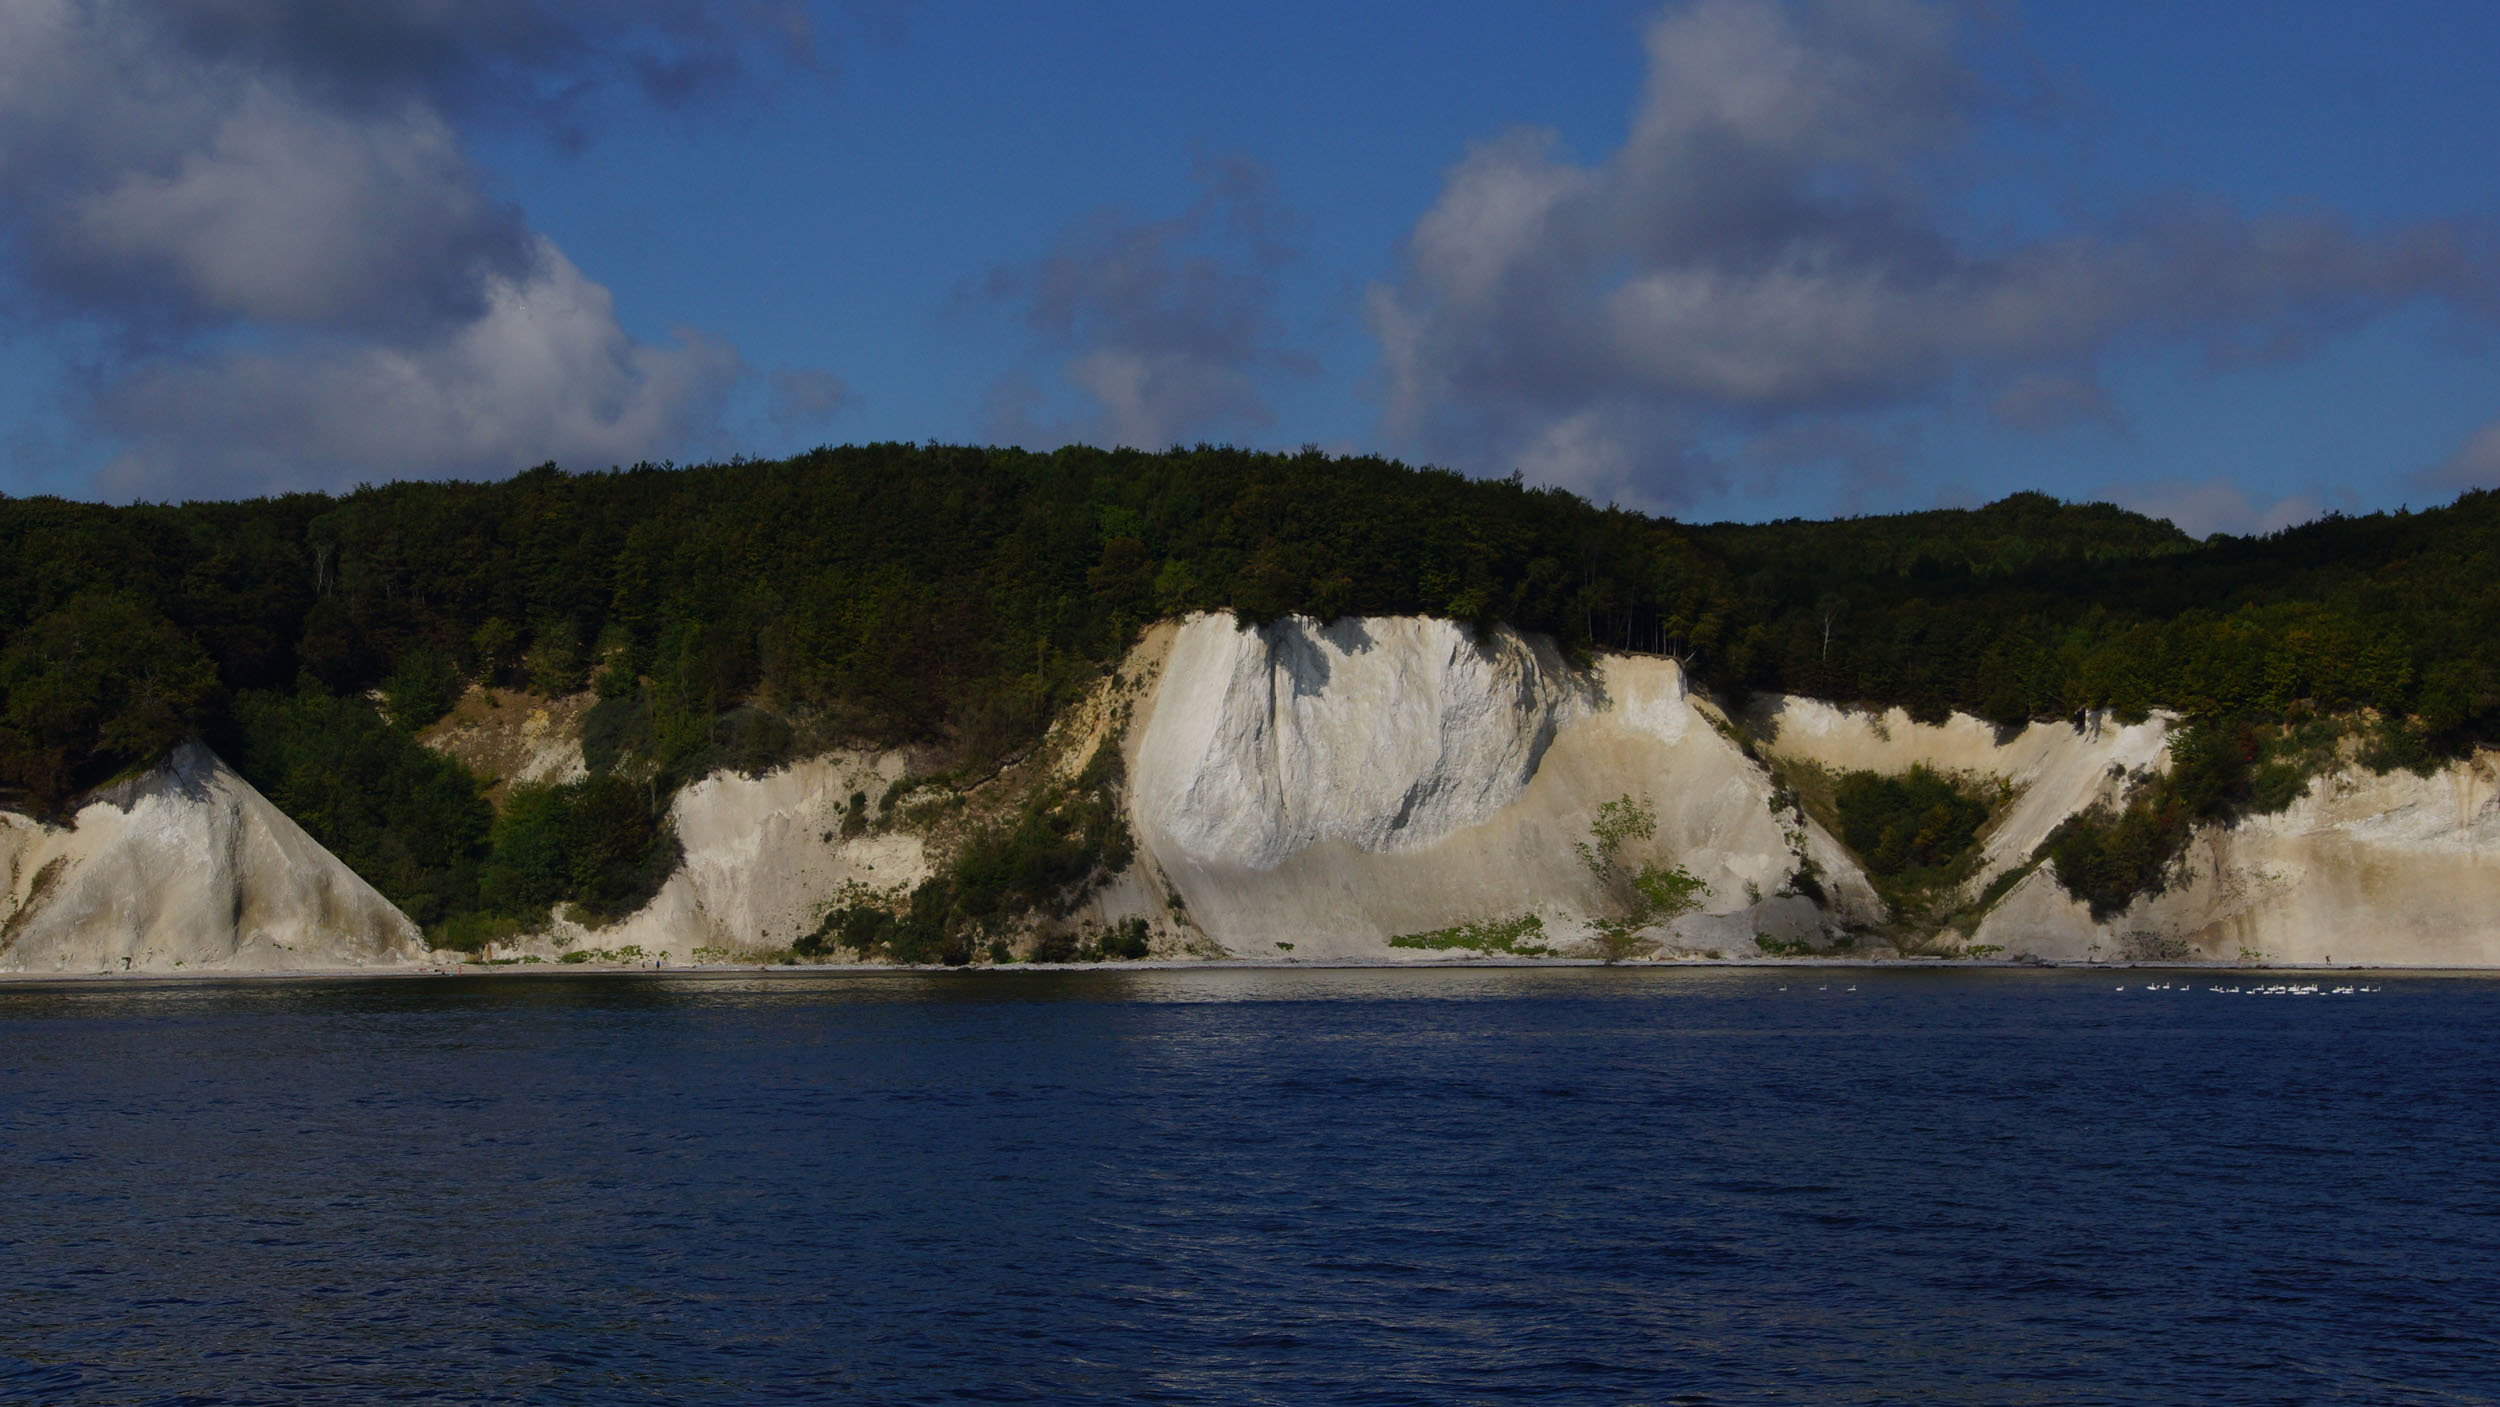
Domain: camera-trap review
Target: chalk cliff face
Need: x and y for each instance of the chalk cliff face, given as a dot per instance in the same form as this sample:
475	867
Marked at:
2396	868
187	869
1379	735
1319	789
2054	770
763	856
2399	869
509	738
1328	787
1315	790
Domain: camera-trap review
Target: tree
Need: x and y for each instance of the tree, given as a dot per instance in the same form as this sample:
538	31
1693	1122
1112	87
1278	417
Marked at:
1829	610
1647	896
423	688
103	685
494	641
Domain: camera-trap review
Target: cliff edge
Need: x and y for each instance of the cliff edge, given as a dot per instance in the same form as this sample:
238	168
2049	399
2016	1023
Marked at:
1402	788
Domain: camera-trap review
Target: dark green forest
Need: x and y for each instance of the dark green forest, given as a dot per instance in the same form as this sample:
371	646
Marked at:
956	597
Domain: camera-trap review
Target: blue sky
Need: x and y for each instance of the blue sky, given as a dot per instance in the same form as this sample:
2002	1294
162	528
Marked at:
2233	263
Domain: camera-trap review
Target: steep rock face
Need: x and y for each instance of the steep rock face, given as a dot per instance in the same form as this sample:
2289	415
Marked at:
2399	869
2055	769
1329	787
763	855
1382	735
188	868
509	738
1314	790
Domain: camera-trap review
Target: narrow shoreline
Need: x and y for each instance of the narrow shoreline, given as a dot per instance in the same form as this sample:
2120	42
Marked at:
532	971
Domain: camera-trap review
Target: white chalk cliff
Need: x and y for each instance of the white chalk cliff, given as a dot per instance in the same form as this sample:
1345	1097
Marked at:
187	868
1330	786
763	856
1312	791
2398	869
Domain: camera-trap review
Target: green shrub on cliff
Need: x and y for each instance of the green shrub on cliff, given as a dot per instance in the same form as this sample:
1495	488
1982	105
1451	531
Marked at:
102	685
1645	896
1038	863
1917	824
1916	834
598	843
2219	770
408	820
1523	935
2110	855
423	688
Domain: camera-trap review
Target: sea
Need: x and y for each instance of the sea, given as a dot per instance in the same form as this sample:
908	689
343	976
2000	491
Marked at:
1322	1185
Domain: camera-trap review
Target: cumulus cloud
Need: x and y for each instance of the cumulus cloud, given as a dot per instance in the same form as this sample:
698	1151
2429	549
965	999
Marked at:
2205	506
1776	244
1164	326
2475	465
543	373
293	217
264	211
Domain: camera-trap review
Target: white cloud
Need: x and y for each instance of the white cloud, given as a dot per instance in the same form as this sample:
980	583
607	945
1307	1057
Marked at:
1773	246
2475	465
543	373
294	216
2217	505
298	274
1583	454
1150	399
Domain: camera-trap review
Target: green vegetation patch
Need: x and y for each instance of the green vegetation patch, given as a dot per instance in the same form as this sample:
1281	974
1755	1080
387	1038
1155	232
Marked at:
631	952
1917	834
1524	936
1916	824
1051	855
1126	941
1644	897
599	844
101	686
410	821
414	824
2220	771
1037	864
2109	856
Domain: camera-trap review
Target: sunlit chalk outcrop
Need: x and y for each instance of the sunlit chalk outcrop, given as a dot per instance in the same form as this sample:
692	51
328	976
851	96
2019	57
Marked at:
763	857
1330	786
187	868
2397	868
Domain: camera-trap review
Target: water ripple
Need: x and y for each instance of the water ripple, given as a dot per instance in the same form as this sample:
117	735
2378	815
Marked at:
1249	1187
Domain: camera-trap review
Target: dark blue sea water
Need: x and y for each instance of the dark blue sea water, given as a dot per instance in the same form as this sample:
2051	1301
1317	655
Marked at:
1239	1187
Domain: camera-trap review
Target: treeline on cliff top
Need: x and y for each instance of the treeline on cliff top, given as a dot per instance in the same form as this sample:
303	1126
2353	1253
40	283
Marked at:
959	596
